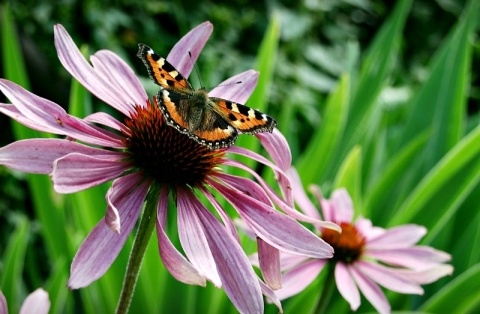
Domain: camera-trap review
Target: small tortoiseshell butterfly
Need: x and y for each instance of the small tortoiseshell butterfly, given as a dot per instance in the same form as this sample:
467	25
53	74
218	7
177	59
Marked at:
212	122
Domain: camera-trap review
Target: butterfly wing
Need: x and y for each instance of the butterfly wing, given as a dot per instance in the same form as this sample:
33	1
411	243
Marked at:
243	118
214	132
160	70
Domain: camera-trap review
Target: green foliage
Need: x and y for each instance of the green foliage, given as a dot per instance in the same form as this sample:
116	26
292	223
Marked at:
391	120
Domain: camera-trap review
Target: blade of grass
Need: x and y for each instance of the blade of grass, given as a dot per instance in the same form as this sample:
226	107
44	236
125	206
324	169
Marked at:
319	152
440	104
439	176
259	100
13	260
349	176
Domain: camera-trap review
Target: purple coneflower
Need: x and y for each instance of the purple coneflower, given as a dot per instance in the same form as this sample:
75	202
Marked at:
148	161
37	302
365	256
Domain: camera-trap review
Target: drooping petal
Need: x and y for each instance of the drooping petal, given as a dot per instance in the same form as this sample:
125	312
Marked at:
346	286
269	262
371	291
238	88
238	278
387	278
54	118
300	277
398	237
227	221
277	147
102	245
72	60
180	268
271	296
107	120
281	231
121	77
418	257
300	196
427	276
37	302
38	155
186	51
3	304
192	237
76	172
15	114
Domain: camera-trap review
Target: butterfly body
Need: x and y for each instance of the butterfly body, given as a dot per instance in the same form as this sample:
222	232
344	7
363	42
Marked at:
213	122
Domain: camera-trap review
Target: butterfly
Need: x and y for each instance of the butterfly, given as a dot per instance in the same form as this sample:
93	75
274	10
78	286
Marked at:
210	121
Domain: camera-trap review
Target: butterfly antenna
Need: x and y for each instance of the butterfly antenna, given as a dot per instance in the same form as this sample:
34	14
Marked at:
196	71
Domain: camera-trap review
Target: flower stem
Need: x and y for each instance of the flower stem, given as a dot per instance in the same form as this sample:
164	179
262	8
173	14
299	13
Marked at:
144	233
327	292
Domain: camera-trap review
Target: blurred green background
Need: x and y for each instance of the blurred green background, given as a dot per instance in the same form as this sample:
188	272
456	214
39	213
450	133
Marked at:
382	97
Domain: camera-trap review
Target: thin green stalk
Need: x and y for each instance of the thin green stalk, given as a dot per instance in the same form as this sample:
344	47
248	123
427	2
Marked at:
327	292
144	233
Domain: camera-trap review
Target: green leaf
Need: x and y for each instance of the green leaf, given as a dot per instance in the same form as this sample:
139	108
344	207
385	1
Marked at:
376	67
380	194
13	259
445	170
458	296
441	100
266	60
326	140
349	176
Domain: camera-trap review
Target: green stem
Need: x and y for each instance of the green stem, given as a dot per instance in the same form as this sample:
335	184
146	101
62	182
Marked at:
144	233
327	292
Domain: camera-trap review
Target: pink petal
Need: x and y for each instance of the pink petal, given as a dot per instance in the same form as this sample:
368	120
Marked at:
77	172
193	43
3	304
107	120
238	278
288	261
93	80
277	147
371	291
227	221
238	88
300	196
180	268
346	286
121	77
15	114
37	302
427	276
418	257
388	278
271	296
38	155
277	229
54	118
192	238
298	278
342	206
116	192
269	260
398	237
102	245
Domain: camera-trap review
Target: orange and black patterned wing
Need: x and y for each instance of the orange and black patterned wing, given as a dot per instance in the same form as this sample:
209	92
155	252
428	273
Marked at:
160	70
243	118
214	132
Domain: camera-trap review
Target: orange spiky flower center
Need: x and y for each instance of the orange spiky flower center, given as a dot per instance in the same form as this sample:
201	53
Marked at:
163	153
348	245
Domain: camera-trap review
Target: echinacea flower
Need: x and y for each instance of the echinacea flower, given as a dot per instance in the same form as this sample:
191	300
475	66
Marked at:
366	256
143	154
37	302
